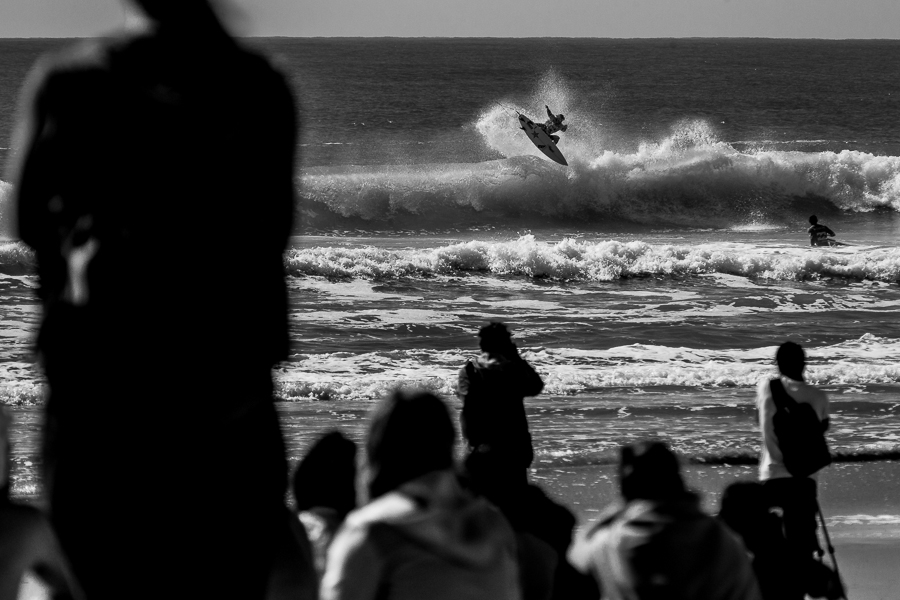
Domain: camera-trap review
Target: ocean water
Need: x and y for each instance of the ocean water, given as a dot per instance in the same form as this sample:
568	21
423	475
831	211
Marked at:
649	283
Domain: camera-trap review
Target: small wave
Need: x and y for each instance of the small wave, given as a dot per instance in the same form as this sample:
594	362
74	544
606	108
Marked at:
752	457
16	259
347	376
576	260
878	520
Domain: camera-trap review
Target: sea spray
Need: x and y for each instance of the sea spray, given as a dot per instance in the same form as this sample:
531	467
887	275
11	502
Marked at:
686	180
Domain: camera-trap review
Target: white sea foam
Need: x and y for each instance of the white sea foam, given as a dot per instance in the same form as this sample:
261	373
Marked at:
867	361
577	260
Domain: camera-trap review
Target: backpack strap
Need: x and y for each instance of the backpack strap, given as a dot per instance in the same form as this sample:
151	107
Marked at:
782	399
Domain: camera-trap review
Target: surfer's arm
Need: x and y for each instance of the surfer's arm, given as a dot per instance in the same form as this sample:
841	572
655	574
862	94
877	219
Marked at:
549	112
828	231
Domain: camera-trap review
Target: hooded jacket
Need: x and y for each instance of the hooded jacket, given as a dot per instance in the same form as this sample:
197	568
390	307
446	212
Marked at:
428	539
670	550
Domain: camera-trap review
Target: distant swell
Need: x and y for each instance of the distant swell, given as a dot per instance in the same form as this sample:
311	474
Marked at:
689	179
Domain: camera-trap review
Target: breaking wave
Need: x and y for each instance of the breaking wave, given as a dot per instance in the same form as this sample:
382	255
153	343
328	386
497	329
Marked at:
688	179
576	260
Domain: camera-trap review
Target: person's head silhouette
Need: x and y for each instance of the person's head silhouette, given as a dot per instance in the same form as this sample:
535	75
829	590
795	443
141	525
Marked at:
791	360
649	471
411	434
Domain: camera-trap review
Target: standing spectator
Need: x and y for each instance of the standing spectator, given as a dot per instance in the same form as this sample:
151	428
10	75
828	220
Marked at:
164	460
422	535
659	544
492	388
796	496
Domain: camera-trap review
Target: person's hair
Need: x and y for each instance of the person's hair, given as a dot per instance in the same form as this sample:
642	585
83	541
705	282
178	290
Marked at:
410	434
494	338
813	220
326	476
791	360
181	14
650	471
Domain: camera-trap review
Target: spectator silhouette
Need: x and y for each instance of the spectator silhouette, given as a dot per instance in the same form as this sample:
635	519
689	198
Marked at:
164	461
796	496
421	535
492	388
745	509
543	529
659	544
325	490
27	541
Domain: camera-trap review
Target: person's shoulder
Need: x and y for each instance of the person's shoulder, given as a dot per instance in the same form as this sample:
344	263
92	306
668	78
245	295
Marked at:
763	389
261	66
20	522
85	56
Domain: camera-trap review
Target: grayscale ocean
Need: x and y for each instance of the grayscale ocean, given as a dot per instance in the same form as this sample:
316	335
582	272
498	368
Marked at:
649	282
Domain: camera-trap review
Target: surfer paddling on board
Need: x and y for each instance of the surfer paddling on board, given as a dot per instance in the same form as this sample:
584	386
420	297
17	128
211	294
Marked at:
553	124
819	233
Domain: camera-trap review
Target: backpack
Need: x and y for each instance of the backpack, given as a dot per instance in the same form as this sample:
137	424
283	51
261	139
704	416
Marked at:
801	436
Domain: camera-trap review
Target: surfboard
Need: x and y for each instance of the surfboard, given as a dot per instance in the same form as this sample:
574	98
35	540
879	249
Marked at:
540	139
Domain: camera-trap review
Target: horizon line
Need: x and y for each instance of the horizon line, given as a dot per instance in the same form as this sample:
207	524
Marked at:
488	37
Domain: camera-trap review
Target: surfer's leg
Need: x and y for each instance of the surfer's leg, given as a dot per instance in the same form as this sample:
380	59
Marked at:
555	139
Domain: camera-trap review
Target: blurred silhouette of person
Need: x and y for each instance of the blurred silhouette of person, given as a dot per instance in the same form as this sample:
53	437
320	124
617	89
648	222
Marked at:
155	183
659	543
795	496
28	544
544	531
422	535
492	388
745	509
325	490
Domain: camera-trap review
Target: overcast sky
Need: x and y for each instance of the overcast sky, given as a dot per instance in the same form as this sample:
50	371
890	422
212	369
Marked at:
502	18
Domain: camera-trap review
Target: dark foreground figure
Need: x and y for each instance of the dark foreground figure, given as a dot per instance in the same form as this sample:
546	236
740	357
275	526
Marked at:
27	541
492	388
324	487
422	535
164	461
659	543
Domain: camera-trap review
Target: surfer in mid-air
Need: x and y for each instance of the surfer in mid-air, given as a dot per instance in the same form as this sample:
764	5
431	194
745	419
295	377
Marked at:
819	233
553	124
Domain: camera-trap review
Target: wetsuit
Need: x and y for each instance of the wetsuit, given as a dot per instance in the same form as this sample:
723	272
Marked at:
553	124
818	235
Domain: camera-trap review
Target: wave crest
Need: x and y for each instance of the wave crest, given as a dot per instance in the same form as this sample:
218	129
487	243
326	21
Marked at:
690	178
575	260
